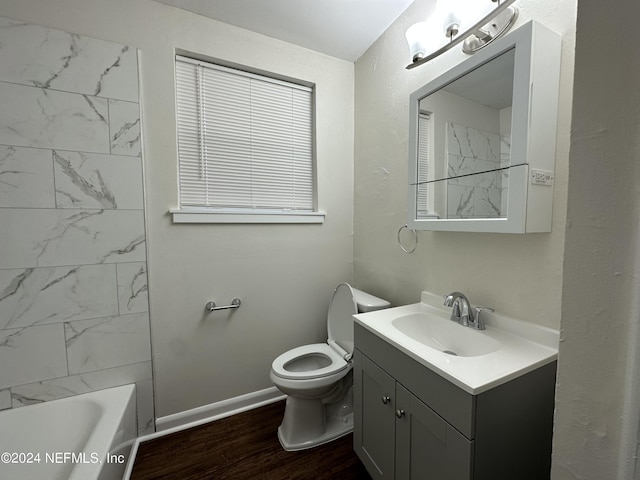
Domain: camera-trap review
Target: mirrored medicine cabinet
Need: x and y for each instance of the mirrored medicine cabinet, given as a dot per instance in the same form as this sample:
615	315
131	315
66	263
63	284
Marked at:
482	139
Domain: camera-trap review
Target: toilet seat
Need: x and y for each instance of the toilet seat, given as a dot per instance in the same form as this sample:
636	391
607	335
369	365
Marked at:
336	362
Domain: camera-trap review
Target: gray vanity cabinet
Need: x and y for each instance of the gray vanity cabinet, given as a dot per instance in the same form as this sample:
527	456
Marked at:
375	391
398	436
412	424
427	446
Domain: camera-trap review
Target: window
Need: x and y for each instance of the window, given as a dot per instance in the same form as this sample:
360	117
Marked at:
245	146
424	200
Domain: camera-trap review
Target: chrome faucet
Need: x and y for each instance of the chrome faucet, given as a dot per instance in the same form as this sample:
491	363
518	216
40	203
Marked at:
462	312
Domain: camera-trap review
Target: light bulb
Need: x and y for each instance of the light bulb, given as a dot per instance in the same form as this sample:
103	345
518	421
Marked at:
461	14
417	35
451	24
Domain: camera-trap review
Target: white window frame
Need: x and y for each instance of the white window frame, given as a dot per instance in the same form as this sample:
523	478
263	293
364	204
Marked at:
425	197
195	213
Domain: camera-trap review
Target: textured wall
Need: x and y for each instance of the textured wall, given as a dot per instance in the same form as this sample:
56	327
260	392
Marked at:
598	399
73	287
518	275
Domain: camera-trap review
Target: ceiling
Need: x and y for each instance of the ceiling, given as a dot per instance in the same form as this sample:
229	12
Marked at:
490	84
339	28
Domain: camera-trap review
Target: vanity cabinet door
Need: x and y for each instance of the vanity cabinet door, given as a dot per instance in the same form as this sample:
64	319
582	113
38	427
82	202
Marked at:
374	422
427	447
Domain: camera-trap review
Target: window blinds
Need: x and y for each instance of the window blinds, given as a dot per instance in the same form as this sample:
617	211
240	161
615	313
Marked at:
422	205
245	141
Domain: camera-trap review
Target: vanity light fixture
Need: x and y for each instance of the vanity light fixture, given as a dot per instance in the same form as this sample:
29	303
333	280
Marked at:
474	22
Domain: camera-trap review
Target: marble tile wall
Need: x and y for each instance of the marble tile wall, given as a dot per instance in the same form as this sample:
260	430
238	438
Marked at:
74	310
471	194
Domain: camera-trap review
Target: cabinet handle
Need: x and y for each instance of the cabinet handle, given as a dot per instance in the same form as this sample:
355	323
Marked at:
386	399
399	413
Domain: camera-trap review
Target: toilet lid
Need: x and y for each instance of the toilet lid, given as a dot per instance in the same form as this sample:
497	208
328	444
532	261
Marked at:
335	362
339	320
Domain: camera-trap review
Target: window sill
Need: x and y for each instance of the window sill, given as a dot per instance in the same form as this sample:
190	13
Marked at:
195	215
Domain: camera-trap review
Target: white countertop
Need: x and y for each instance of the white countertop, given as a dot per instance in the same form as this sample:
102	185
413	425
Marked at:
523	346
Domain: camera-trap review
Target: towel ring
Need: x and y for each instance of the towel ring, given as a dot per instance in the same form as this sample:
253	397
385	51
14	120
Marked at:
415	239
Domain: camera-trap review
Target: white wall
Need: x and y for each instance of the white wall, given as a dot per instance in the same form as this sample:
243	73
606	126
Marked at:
518	275
598	395
284	274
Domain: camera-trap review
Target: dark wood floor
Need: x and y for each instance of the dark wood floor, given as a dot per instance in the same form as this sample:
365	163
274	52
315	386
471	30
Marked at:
244	447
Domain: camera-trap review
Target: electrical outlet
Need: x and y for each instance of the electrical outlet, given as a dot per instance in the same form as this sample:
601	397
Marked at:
541	177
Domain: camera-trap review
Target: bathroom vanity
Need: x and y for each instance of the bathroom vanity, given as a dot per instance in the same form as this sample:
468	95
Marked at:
416	418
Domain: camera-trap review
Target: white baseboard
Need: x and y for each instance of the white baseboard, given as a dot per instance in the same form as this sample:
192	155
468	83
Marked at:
217	410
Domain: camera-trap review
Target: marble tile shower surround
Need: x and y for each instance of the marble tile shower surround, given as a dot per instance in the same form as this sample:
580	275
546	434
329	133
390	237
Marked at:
470	151
74	309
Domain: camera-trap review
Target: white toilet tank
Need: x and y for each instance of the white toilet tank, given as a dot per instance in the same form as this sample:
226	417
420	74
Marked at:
345	302
367	302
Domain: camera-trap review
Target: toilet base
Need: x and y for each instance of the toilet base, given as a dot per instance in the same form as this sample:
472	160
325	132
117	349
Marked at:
310	423
335	429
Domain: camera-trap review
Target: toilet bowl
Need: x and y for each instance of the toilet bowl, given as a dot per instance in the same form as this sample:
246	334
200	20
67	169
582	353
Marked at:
318	378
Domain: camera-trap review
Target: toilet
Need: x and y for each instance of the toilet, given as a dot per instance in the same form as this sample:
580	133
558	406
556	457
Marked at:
318	378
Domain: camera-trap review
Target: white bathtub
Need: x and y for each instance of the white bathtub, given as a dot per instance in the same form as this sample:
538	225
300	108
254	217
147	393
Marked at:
86	437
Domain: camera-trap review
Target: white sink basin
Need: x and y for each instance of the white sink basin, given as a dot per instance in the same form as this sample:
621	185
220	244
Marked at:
445	336
475	360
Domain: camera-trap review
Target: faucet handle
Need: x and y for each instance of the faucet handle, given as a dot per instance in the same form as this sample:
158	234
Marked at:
478	324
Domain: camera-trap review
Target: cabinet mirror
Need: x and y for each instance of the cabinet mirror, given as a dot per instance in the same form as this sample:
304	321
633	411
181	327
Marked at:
482	139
